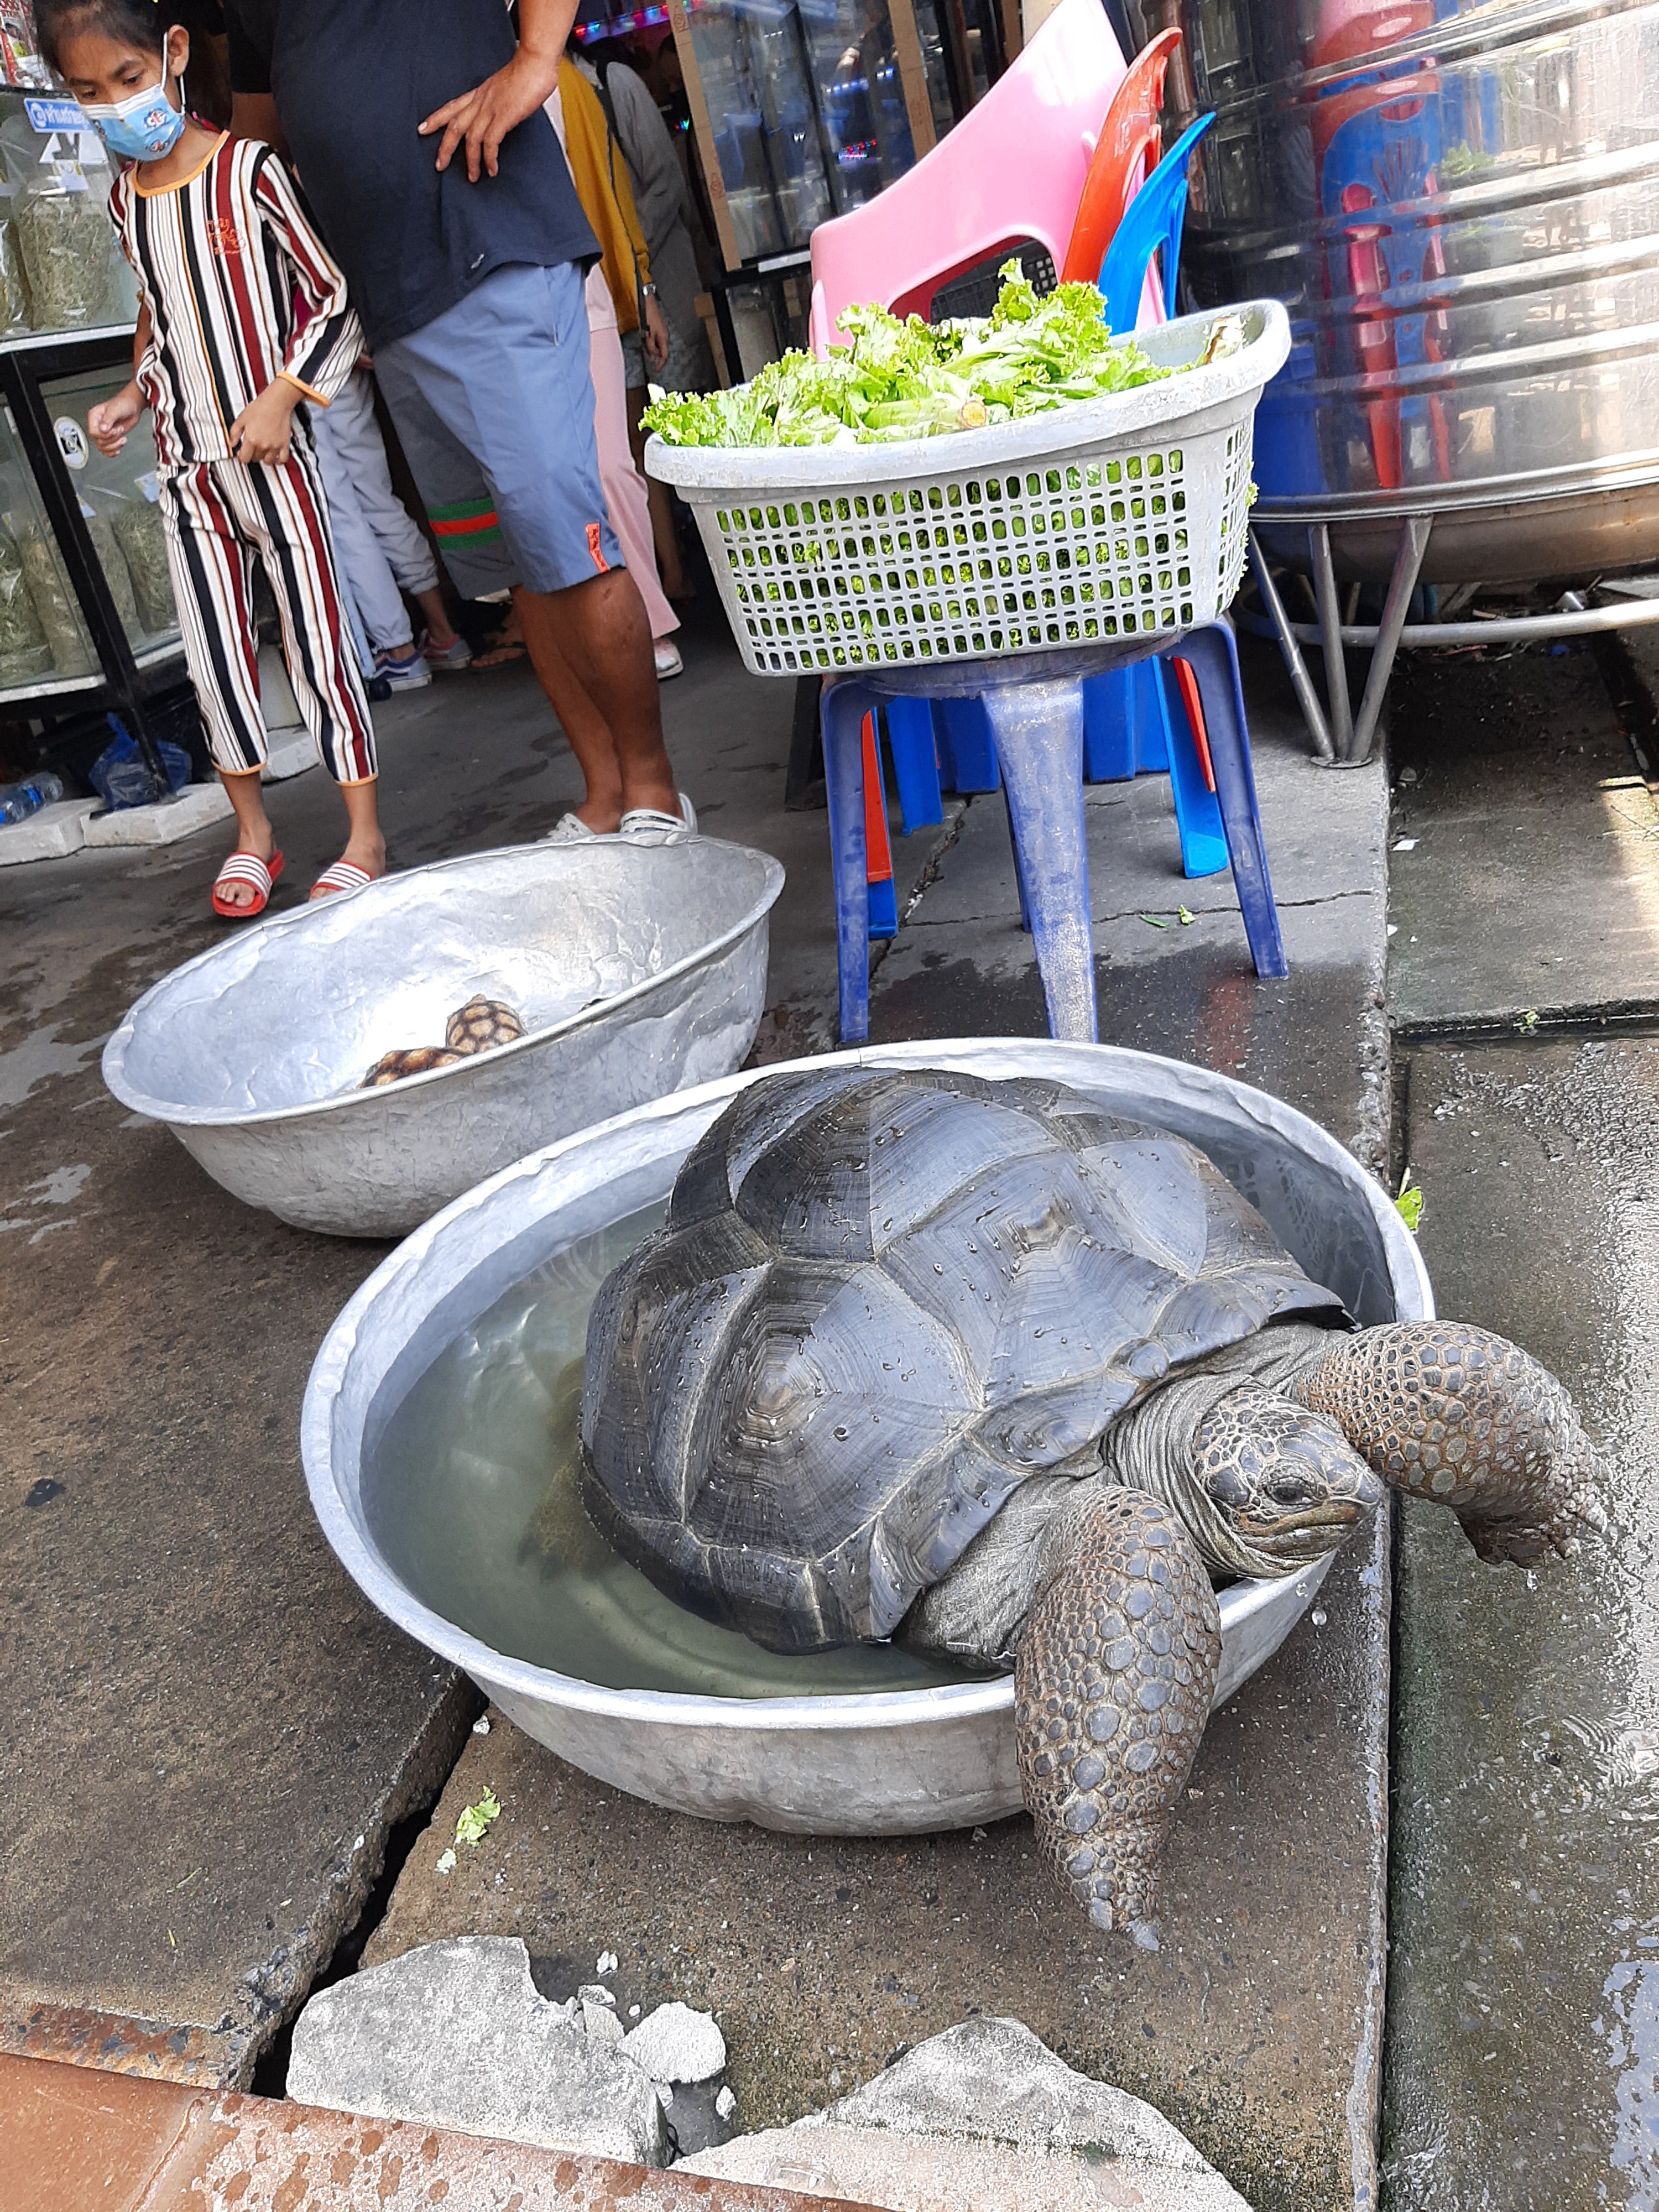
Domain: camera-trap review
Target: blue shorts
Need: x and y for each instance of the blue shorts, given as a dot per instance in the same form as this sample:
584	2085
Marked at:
494	404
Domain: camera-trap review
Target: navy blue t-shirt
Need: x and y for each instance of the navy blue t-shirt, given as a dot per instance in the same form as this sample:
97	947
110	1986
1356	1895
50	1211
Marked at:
352	81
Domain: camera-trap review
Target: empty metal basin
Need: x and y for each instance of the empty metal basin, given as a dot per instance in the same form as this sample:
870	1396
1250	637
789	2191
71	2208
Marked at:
636	969
887	1762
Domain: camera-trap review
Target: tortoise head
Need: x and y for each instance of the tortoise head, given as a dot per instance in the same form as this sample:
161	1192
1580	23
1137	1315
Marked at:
1287	1485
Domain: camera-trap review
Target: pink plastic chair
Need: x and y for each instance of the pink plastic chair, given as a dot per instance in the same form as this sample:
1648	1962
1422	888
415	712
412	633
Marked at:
1012	170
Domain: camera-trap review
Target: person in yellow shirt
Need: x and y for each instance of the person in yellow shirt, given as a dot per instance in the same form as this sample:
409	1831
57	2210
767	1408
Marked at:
599	173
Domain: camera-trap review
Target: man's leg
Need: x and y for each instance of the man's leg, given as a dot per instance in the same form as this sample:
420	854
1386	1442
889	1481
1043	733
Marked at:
506	373
597	633
364	570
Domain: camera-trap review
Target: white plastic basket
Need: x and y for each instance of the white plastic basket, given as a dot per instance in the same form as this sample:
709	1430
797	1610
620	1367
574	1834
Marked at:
1113	519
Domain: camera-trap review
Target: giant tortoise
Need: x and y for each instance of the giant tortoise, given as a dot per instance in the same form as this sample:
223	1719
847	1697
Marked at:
977	1364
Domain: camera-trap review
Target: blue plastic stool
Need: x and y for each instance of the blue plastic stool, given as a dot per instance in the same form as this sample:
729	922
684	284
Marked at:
915	767
1125	724
1135	722
1038	730
967	758
916	761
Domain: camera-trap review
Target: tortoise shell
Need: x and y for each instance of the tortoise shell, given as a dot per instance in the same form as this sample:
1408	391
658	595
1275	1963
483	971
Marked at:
481	1025
878	1302
393	1067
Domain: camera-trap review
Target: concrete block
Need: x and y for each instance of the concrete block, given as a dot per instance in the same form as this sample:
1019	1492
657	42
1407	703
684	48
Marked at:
50	835
675	2044
456	2034
982	2117
992	2080
879	2167
194	808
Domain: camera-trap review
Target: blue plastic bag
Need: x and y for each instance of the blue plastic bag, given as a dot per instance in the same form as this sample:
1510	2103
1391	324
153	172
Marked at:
119	774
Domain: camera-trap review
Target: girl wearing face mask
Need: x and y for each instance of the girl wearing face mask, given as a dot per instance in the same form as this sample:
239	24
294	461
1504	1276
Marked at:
222	250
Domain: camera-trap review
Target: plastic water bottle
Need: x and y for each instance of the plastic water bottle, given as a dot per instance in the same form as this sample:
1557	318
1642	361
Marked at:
19	800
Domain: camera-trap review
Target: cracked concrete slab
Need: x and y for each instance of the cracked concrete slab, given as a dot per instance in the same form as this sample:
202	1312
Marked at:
211	1734
1524	1985
1524	860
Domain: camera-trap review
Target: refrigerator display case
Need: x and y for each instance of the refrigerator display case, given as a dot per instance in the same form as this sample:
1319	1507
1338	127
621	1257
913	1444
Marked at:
86	618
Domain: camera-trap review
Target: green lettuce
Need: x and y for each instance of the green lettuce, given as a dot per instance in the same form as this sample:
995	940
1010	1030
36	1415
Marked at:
903	378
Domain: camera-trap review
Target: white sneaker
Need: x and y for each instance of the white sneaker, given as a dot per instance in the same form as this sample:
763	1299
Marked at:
651	825
668	659
571	829
403	671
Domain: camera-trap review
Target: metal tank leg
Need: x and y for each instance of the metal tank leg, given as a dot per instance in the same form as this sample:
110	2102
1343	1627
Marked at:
1330	635
841	713
1037	731
1414	544
1307	697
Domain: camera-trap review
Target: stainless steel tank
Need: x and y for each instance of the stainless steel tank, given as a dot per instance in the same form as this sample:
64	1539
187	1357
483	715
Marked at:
1459	204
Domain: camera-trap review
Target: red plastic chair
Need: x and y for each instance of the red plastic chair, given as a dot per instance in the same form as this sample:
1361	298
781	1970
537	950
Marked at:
1131	141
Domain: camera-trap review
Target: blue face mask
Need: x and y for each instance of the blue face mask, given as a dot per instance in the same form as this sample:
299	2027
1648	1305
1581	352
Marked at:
143	127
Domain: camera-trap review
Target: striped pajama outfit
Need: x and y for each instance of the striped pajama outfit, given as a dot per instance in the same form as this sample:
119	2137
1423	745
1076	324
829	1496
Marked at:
221	260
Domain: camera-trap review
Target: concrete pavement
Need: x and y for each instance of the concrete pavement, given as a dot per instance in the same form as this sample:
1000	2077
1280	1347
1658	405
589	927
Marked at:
215	1742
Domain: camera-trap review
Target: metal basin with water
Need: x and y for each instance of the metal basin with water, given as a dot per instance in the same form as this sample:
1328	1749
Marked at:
637	969
439	1424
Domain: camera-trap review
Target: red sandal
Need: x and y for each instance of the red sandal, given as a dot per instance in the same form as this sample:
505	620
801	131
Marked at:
343	876
246	868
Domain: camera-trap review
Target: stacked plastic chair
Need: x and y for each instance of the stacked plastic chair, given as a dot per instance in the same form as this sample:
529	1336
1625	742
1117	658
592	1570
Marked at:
1038	737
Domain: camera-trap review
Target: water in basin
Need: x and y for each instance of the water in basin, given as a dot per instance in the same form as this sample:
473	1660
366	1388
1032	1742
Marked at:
471	1492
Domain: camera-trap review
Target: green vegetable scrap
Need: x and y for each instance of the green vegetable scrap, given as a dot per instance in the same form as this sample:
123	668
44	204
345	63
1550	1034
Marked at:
1527	1023
1154	921
910	378
1185	916
476	1820
1409	1206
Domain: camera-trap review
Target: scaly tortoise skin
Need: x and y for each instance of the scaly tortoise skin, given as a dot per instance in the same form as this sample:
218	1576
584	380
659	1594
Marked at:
979	1365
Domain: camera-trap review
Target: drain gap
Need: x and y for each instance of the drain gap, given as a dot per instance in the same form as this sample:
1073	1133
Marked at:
270	2077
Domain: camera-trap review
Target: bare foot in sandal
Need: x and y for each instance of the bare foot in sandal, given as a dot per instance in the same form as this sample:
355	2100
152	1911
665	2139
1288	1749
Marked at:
362	861
506	645
240	891
364	857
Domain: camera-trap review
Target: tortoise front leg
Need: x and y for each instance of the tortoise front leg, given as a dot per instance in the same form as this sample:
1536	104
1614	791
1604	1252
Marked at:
1446	1411
1112	1688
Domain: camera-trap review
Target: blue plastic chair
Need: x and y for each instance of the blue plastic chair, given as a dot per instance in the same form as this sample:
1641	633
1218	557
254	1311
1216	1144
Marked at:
1038	730
1152	224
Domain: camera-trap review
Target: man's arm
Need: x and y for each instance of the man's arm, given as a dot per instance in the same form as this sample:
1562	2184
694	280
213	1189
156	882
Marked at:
484	116
252	110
